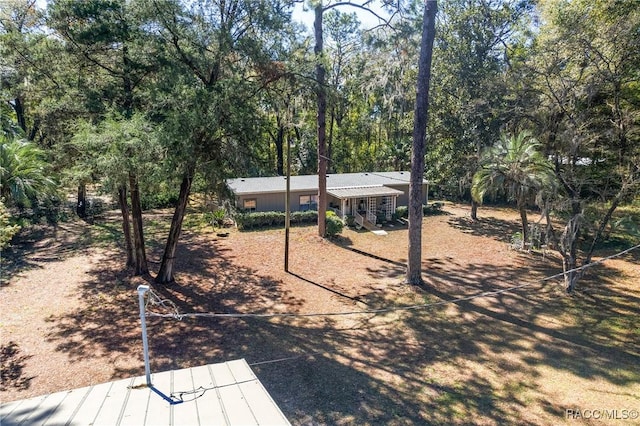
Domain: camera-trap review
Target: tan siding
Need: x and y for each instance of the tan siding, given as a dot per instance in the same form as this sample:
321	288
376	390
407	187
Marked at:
403	200
273	202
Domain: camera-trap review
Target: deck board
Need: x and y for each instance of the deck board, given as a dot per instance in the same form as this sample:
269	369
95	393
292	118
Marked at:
135	411
223	394
90	407
204	398
111	409
66	408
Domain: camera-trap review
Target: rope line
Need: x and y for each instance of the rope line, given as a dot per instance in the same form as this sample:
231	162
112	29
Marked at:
171	306
588	265
288	358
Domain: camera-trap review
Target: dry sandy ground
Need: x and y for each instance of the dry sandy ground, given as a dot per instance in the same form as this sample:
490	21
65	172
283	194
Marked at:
70	318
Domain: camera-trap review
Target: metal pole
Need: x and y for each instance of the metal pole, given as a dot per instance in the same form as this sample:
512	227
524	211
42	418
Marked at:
287	198
142	289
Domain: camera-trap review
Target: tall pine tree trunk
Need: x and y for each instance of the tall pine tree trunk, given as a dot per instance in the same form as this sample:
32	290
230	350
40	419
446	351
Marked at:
332	120
322	122
414	263
126	225
140	256
165	274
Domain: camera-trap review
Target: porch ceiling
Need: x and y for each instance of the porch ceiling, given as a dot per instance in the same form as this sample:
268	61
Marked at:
363	191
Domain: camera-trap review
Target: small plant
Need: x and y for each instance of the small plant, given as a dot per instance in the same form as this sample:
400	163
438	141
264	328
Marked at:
402	212
7	228
334	224
351	221
217	217
432	209
516	241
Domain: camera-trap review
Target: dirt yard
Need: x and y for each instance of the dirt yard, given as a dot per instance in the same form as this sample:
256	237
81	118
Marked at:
69	318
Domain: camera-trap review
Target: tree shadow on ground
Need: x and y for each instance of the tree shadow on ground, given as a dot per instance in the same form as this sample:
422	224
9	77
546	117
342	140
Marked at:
12	364
498	229
38	245
476	359
596	342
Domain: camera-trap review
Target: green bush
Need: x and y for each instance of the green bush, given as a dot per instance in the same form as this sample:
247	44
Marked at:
158	200
351	221
334	224
309	216
277	219
432	209
217	217
7	228
402	212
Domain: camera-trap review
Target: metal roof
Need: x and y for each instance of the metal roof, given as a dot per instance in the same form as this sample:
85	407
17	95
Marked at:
216	394
363	191
256	185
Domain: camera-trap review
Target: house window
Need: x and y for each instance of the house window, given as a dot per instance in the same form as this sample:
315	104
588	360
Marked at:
250	205
308	202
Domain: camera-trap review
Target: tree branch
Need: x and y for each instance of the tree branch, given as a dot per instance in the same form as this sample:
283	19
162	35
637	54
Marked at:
361	7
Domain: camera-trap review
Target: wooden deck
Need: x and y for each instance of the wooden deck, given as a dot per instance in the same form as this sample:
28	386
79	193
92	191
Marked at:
216	394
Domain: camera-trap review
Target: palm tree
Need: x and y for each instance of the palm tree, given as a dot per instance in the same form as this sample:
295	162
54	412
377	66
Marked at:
23	176
516	165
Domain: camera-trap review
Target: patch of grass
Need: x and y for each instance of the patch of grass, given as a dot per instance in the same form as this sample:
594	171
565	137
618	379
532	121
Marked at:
197	221
106	233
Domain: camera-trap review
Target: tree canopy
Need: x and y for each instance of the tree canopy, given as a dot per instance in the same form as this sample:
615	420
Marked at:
156	96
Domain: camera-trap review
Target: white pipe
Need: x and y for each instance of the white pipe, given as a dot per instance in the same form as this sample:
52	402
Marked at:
142	289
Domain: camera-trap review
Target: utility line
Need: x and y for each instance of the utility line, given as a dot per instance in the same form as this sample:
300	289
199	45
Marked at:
170	305
195	394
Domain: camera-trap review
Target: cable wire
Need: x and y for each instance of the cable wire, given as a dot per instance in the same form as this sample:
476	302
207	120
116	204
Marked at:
168	304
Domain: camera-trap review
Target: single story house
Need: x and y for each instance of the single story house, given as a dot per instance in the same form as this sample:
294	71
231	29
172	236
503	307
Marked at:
361	195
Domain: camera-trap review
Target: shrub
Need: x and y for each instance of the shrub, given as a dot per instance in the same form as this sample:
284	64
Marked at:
218	216
432	209
309	216
402	212
7	228
334	224
351	221
265	219
158	200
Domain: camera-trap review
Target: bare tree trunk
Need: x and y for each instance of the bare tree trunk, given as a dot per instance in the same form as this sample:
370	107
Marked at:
81	205
566	245
522	208
126	225
20	115
474	210
414	263
603	225
140	264
570	239
322	124
165	274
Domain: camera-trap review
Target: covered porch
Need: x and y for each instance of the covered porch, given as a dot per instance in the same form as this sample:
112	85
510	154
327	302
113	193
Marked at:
364	203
